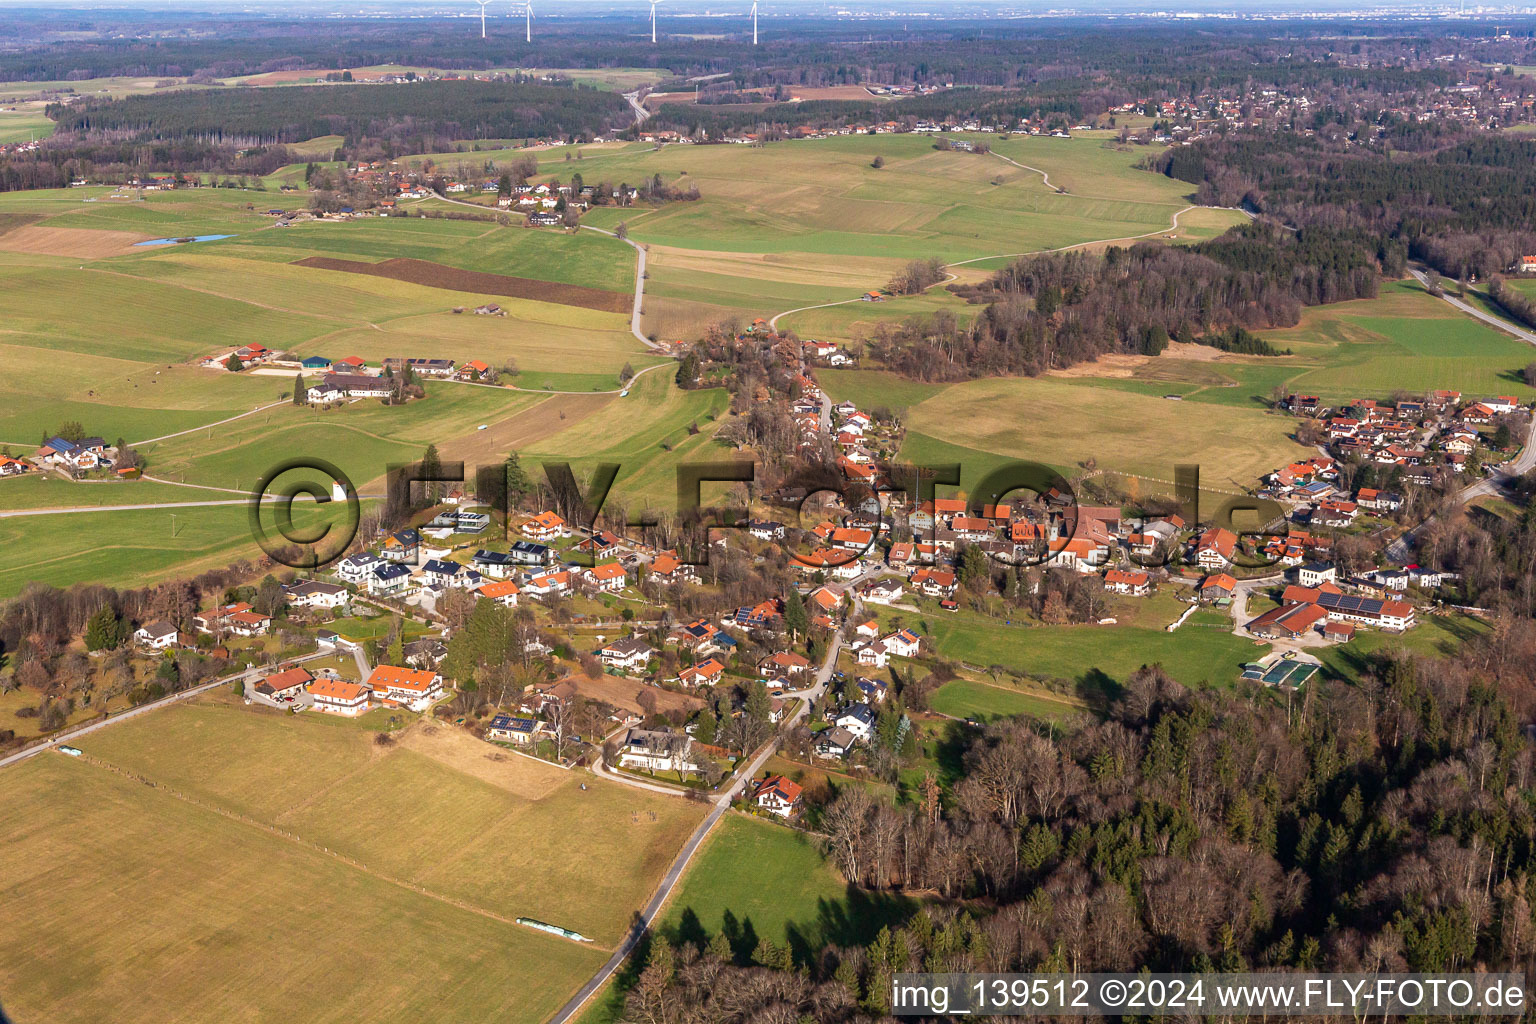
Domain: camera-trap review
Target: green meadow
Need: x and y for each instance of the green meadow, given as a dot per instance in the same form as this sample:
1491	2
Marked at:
986	702
130	548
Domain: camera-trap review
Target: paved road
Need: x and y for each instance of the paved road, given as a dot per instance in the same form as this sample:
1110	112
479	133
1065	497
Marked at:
634	316
69	736
640	112
216	423
123	508
1487	318
679	864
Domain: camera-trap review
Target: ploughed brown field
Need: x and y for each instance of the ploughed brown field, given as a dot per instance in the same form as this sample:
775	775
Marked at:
435	275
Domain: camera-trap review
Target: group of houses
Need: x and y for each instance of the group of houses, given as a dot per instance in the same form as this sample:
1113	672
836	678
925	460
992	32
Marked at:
1414	438
387	686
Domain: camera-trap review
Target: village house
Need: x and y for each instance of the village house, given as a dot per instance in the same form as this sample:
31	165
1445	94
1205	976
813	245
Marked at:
158	635
666	567
357	569
871	655
472	371
1378	500
447	574
1215	547
858	719
886	591
705	673
608	579
315	594
656	750
1122	581
544	584
388	578
933	582
778	795
835	742
1216	587
1314	574
627	655
783	663
339	697
335	386
284	686
508	729
902	644
402	546
412	688
545	526
503	592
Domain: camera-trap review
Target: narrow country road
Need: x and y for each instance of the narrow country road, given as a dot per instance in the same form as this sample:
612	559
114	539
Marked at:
634	316
207	426
1488	318
722	804
72	509
68	736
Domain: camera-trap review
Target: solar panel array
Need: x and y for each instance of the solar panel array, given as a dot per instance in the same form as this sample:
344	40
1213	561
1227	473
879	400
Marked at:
1351	603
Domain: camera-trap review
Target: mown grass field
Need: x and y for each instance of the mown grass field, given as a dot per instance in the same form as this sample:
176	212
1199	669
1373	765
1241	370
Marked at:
462	818
1120	417
637	432
168	911
983	423
131	548
986	701
757	880
362	438
313	873
1094	658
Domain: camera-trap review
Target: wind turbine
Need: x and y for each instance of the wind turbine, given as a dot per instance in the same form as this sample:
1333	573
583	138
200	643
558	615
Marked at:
754	22
483	5
528	24
653	19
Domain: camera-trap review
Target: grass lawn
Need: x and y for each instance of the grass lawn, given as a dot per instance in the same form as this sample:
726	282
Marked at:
362	438
636	432
1096	658
585	258
986	701
758	880
38	490
167	910
1438	636
982	424
126	548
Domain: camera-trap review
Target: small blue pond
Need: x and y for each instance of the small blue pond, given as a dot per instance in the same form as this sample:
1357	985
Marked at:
188	238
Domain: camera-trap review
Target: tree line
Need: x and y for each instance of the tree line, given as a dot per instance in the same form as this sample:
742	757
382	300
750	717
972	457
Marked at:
1387	826
1056	309
1458	202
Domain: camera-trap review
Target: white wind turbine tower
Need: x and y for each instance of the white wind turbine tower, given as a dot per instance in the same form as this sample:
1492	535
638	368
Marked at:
483	5
528	23
754	22
653	19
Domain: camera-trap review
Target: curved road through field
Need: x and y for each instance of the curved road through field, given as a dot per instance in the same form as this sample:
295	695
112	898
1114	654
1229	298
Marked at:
722	804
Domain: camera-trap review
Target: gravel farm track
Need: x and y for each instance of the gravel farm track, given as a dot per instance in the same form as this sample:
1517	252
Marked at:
436	275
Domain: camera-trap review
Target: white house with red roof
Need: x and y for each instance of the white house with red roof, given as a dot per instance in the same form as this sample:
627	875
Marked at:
778	795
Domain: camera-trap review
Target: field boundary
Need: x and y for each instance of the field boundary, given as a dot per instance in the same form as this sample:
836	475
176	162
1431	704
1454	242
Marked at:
214	808
438	275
